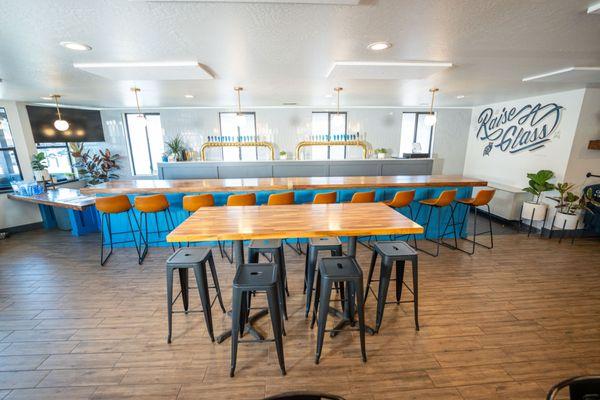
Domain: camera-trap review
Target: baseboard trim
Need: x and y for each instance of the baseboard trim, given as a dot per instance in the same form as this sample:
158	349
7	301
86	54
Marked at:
22	228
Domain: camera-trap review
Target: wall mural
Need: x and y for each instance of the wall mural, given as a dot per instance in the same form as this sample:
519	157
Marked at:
518	129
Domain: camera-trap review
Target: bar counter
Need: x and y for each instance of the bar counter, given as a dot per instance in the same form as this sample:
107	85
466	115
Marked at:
304	188
278	184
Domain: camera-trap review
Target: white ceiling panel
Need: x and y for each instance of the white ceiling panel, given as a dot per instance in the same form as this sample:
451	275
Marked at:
385	70
581	75
147	71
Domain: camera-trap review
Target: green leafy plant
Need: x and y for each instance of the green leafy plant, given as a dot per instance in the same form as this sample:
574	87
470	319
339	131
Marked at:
382	150
538	183
283	153
98	168
76	149
586	200
176	146
564	192
39	162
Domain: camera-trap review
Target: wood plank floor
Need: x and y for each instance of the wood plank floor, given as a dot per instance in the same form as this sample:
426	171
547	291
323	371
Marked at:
505	323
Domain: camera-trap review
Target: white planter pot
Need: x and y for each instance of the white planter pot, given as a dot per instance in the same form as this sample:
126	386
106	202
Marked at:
381	156
39	175
565	221
533	211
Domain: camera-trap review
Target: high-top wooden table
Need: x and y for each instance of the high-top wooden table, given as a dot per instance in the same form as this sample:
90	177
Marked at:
292	221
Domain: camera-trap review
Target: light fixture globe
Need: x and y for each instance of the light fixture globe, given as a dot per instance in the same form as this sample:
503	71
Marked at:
61	125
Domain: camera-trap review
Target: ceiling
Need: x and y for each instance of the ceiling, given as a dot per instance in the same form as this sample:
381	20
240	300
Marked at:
282	52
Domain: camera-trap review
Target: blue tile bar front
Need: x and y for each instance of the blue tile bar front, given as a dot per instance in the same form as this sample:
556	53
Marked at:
120	224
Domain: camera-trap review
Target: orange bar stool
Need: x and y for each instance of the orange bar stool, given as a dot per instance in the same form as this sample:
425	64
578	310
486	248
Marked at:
481	199
238	200
445	199
325	198
363	197
153	204
191	204
112	205
402	199
283	199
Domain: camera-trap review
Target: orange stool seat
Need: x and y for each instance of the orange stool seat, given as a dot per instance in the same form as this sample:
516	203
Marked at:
482	198
281	199
325	198
363	197
151	204
401	199
192	203
444	199
113	204
247	199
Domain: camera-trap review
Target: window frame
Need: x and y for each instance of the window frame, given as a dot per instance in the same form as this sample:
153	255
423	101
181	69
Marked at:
329	114
9	149
152	172
414	137
59	146
238	132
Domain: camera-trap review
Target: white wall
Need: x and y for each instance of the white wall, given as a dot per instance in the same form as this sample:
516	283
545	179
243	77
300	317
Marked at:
287	126
511	168
582	159
15	213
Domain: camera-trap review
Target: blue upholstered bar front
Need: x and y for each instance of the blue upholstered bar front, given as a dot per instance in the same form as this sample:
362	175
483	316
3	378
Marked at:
120	224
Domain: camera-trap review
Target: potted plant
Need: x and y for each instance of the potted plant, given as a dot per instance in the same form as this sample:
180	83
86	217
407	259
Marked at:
176	148
98	168
283	155
568	203
39	164
381	153
538	184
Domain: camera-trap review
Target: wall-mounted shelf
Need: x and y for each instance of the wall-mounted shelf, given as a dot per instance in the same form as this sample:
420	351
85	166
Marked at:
236	144
594	145
358	143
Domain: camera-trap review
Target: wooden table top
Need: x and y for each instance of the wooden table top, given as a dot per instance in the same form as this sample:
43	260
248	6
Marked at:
258	184
292	221
61	197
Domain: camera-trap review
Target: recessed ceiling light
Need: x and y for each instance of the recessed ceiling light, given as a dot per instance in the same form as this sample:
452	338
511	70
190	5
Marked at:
460	96
378	46
46	98
594	8
189	96
76	46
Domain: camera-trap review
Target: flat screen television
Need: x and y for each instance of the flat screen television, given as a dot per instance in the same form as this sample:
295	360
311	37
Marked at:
84	125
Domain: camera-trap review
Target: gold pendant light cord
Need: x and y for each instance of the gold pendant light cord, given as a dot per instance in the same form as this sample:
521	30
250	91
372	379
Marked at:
432	98
57	108
137	101
238	89
338	90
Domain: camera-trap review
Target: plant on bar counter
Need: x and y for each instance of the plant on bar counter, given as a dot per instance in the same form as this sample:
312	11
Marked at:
39	162
176	147
98	168
538	183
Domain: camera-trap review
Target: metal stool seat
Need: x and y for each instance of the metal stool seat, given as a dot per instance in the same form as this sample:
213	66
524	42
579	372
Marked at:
183	260
274	248
343	270
393	253
332	244
251	278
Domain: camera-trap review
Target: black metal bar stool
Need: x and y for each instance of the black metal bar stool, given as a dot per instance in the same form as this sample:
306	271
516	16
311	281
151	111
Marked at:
445	199
482	198
195	258
112	205
332	244
393	253
343	270
153	204
273	247
251	278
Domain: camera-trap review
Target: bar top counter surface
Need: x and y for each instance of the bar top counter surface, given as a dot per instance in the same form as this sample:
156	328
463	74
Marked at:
259	184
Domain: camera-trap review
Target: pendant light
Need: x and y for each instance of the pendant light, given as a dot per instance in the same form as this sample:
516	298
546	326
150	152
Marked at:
431	119
338	90
239	114
140	115
60	124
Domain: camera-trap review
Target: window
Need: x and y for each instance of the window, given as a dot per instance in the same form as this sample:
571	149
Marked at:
9	163
327	125
59	159
241	128
146	143
414	130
